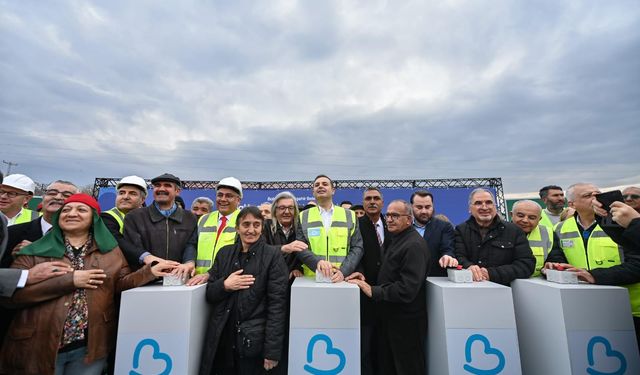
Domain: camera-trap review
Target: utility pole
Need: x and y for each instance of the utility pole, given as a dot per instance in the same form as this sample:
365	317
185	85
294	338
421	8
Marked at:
9	165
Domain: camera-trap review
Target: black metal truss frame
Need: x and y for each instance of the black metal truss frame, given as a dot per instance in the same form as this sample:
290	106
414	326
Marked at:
438	183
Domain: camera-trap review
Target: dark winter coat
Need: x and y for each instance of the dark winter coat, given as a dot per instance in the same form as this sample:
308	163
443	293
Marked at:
504	251
265	301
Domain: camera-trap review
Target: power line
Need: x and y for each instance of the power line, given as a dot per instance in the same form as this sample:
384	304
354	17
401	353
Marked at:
9	165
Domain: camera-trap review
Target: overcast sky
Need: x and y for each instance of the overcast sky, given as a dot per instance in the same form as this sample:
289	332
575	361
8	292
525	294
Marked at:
534	92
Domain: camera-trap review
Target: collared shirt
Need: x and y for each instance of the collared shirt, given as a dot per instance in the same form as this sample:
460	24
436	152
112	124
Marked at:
12	220
220	218
166	213
380	229
419	228
45	226
326	217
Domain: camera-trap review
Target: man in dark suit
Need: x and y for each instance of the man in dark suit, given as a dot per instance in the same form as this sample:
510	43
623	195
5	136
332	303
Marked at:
373	229
439	234
20	235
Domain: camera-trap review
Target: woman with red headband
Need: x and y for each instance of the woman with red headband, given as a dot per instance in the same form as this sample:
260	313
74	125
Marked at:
67	324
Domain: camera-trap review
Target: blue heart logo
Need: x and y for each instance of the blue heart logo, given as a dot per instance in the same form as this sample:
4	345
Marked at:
157	354
342	360
609	352
487	350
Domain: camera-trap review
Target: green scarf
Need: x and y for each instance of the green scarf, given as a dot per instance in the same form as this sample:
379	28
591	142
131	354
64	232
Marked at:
52	243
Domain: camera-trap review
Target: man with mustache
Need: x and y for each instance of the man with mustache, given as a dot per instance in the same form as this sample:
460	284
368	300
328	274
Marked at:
218	228
494	250
163	231
21	235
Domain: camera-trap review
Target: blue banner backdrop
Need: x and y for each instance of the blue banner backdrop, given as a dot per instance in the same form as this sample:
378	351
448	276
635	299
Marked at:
452	202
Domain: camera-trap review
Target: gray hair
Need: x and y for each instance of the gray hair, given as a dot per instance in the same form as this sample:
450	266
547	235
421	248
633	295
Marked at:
480	190
296	211
407	206
571	190
202	200
64	183
372	188
518	203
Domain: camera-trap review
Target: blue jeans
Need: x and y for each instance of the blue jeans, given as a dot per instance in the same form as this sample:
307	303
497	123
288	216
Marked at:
72	363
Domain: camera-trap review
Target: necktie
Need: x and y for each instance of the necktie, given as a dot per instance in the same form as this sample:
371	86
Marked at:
378	235
223	224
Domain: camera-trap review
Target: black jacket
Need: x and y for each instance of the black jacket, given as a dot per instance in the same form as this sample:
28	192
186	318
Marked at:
174	238
400	291
278	238
30	231
440	238
265	299
504	251
370	264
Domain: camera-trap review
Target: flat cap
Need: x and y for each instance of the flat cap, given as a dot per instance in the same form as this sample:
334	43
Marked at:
167	177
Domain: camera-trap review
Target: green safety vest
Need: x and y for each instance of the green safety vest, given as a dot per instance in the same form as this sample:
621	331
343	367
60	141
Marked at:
118	216
601	252
27	215
546	221
541	242
208	247
332	246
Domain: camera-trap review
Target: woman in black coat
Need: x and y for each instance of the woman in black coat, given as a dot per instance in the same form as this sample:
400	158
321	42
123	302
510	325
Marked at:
247	289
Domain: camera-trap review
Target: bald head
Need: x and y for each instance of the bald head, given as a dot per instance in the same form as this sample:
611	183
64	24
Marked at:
526	214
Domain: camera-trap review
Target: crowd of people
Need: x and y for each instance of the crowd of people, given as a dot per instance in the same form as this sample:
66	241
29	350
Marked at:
56	261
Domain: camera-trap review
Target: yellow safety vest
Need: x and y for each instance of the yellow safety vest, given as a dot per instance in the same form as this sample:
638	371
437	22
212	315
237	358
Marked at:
541	242
601	252
208	247
27	215
118	216
546	221
334	245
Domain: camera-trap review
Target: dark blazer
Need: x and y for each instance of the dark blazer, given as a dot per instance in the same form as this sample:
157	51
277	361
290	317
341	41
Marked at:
441	240
30	231
8	277
370	263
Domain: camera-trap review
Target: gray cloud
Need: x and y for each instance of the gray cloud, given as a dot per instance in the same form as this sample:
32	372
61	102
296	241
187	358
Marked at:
535	93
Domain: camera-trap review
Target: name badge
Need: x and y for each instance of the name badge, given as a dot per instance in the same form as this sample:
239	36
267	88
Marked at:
313	232
567	243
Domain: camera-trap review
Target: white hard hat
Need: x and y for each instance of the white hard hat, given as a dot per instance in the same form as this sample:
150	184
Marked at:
134	181
231	182
20	181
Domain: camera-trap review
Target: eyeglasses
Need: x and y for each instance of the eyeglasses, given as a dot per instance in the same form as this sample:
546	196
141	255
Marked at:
11	194
481	203
55	192
395	216
226	195
285	208
630	197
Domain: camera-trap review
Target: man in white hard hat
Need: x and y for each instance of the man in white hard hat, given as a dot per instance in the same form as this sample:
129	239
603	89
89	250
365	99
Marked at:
131	191
15	192
218	228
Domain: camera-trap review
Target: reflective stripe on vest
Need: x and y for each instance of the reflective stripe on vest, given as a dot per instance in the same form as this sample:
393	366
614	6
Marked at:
208	247
27	215
334	245
546	221
541	242
118	216
602	252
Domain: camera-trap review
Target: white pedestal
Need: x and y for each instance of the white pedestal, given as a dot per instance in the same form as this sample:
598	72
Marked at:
324	328
472	328
161	330
574	328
